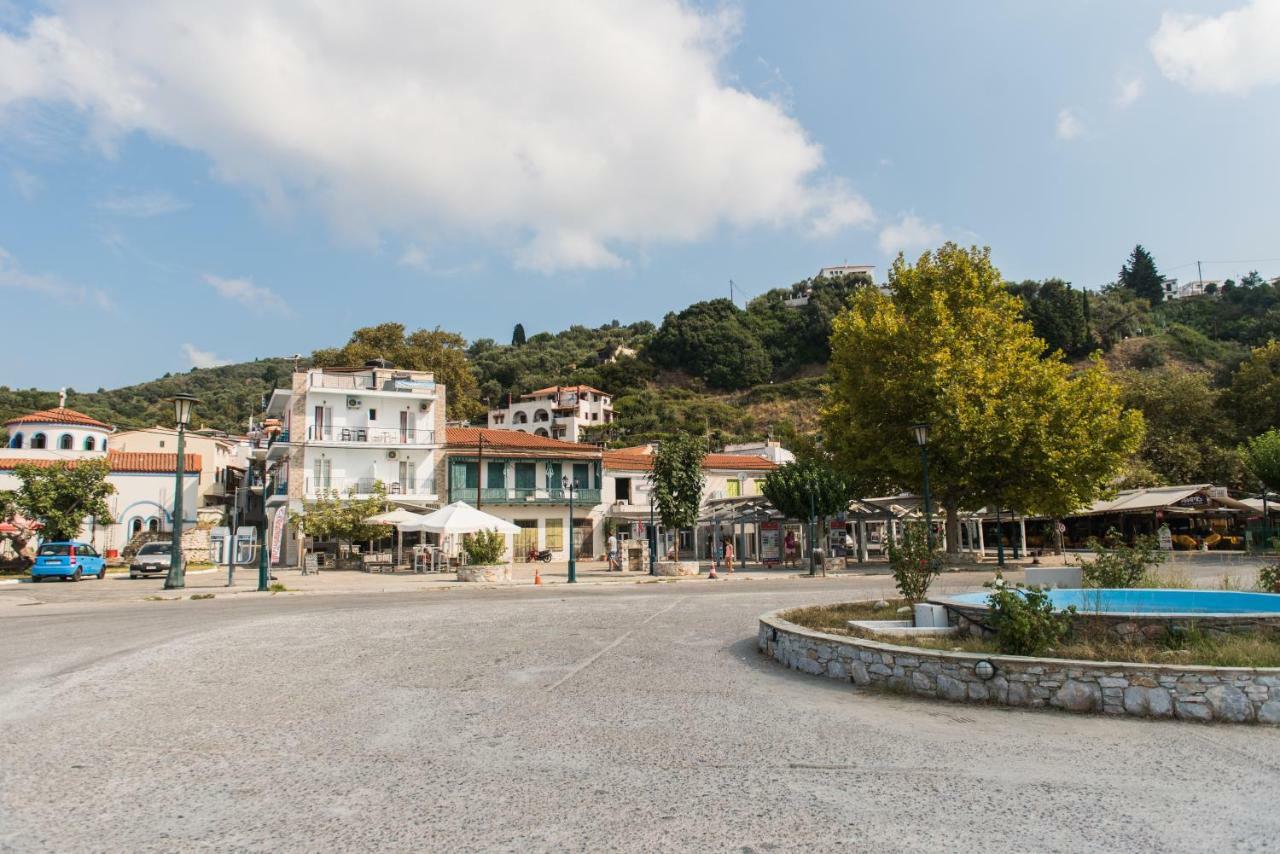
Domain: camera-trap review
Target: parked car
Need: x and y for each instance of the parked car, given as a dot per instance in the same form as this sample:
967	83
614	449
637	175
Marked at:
152	557
67	560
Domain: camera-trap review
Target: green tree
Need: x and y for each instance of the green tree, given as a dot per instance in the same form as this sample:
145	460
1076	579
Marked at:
1140	276
677	480
711	340
1262	456
807	489
443	353
1254	395
517	336
62	496
1009	428
344	519
1057	314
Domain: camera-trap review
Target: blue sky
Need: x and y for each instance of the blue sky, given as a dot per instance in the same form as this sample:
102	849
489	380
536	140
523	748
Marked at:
184	186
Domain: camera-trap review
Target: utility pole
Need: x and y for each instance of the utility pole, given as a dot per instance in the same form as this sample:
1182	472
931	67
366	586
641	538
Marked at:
1200	276
731	296
479	468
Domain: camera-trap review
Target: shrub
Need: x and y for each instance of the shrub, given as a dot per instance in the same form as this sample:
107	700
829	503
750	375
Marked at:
1116	564
1024	619
484	547
914	563
1269	578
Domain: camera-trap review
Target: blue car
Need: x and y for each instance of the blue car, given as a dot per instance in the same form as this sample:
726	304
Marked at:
67	560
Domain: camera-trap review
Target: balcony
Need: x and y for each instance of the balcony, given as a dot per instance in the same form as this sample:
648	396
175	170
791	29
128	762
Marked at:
363	486
584	497
371	435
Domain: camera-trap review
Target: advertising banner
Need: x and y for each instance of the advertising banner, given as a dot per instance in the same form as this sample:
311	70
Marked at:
770	542
277	534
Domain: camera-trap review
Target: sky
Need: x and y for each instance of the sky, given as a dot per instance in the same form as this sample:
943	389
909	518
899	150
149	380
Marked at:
187	184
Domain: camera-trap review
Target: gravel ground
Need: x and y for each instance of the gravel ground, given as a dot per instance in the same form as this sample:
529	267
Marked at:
615	717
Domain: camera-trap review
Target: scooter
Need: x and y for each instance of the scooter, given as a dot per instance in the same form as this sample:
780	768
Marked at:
534	554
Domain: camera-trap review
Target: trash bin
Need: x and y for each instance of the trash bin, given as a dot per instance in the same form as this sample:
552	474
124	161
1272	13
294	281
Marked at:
818	559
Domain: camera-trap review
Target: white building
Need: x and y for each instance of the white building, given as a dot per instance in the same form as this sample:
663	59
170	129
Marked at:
343	430
222	457
144	481
848	270
557	412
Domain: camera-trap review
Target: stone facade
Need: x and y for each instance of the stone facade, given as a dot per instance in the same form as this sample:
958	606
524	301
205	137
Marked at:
1228	694
491	573
971	620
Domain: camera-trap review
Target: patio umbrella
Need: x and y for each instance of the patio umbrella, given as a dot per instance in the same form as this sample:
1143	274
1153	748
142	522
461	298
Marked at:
461	518
398	518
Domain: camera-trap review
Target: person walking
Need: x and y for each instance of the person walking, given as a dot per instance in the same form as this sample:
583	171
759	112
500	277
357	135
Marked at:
789	544
613	554
728	555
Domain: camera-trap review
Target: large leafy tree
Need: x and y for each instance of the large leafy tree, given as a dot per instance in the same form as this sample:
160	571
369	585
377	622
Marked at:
344	518
807	489
62	496
678	480
711	340
1262	455
1139	275
1254	396
947	346
443	353
1057	314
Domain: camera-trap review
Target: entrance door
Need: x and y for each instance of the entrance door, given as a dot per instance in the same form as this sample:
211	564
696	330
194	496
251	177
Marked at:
404	427
583	542
324	422
527	538
407	480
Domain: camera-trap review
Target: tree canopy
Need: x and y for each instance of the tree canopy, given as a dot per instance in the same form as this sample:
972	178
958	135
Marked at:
807	489
678	480
62	496
1254	395
712	340
1057	315
1140	276
1262	455
947	346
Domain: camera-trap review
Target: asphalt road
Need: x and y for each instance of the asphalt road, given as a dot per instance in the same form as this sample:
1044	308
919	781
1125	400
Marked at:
621	717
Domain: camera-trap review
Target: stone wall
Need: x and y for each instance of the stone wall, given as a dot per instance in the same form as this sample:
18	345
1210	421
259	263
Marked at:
1231	694
971	620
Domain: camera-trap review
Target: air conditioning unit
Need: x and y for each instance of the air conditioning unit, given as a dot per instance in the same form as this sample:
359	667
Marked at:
423	406
391	455
353	403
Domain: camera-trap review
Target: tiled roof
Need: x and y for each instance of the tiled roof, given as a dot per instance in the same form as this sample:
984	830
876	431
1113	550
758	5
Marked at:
58	415
639	459
579	389
124	462
469	437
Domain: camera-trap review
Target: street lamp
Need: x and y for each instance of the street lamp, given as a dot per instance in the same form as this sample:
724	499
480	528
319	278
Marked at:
653	537
177	577
921	433
569	487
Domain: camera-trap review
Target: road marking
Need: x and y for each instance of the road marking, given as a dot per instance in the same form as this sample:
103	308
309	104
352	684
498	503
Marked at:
619	639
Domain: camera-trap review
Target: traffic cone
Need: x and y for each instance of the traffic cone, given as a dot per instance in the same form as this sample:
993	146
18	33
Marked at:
537	576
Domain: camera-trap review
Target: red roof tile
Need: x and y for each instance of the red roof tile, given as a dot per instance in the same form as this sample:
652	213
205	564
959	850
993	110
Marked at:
469	437
124	462
58	415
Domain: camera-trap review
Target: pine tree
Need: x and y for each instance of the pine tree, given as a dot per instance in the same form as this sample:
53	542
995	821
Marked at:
517	335
1141	277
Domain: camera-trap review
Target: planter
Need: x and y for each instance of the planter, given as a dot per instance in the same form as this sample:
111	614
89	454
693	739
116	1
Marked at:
491	573
675	568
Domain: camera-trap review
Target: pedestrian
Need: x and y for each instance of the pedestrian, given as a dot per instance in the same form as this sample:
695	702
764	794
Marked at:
613	554
790	545
728	555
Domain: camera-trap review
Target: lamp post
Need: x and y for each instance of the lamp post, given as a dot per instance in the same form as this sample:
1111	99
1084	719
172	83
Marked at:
569	486
653	537
177	577
921	433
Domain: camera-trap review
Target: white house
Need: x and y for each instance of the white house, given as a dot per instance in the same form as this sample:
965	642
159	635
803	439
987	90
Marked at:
556	412
847	270
222	457
144	481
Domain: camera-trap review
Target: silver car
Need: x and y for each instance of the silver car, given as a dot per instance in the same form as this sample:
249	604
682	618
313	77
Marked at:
152	557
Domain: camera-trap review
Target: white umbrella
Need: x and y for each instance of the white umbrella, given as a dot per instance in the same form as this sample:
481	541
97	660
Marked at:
461	518
398	517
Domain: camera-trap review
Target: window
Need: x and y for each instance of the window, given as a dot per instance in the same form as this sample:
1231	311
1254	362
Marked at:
470	475
580	477
153	524
65	442
760	486
156	548
526	476
321	470
554	534
135	527
54	550
520	418
732	489
496	476
15	441
373	415
527	539
38	441
162	443
89	443
622	489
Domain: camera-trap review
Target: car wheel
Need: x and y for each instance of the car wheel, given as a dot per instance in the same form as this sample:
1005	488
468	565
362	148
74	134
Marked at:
77	575
36	579
102	573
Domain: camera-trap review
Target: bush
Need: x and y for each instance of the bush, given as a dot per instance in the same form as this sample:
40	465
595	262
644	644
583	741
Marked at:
1269	578
914	563
1116	564
1024	619
484	547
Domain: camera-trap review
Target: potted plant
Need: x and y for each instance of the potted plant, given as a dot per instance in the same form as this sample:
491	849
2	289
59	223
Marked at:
484	550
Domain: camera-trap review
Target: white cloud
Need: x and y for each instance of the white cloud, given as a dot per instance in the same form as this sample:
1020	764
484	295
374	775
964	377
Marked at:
567	133
202	358
14	277
1129	90
909	233
245	292
28	184
415	257
1231	53
143	205
1069	125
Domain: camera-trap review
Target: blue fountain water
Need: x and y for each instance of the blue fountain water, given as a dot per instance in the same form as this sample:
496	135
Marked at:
1118	601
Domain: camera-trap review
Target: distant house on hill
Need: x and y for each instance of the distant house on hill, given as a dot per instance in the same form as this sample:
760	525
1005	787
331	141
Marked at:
555	412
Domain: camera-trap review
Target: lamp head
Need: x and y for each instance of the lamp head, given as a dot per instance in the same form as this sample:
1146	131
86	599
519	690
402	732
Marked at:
921	433
182	404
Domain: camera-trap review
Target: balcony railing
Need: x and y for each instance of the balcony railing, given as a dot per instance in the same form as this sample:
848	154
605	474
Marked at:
371	435
364	486
489	495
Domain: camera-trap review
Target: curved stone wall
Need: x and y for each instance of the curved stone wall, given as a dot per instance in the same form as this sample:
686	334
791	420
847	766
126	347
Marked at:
485	572
1232	694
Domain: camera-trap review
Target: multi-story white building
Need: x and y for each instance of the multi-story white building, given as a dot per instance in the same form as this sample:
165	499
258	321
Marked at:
847	270
557	412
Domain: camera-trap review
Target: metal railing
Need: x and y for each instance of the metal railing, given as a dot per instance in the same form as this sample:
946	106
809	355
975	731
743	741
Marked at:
491	495
371	435
365	486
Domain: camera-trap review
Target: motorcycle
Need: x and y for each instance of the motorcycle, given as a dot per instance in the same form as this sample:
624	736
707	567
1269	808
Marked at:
534	554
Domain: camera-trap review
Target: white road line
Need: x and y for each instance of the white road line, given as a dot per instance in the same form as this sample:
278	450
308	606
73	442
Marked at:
619	639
